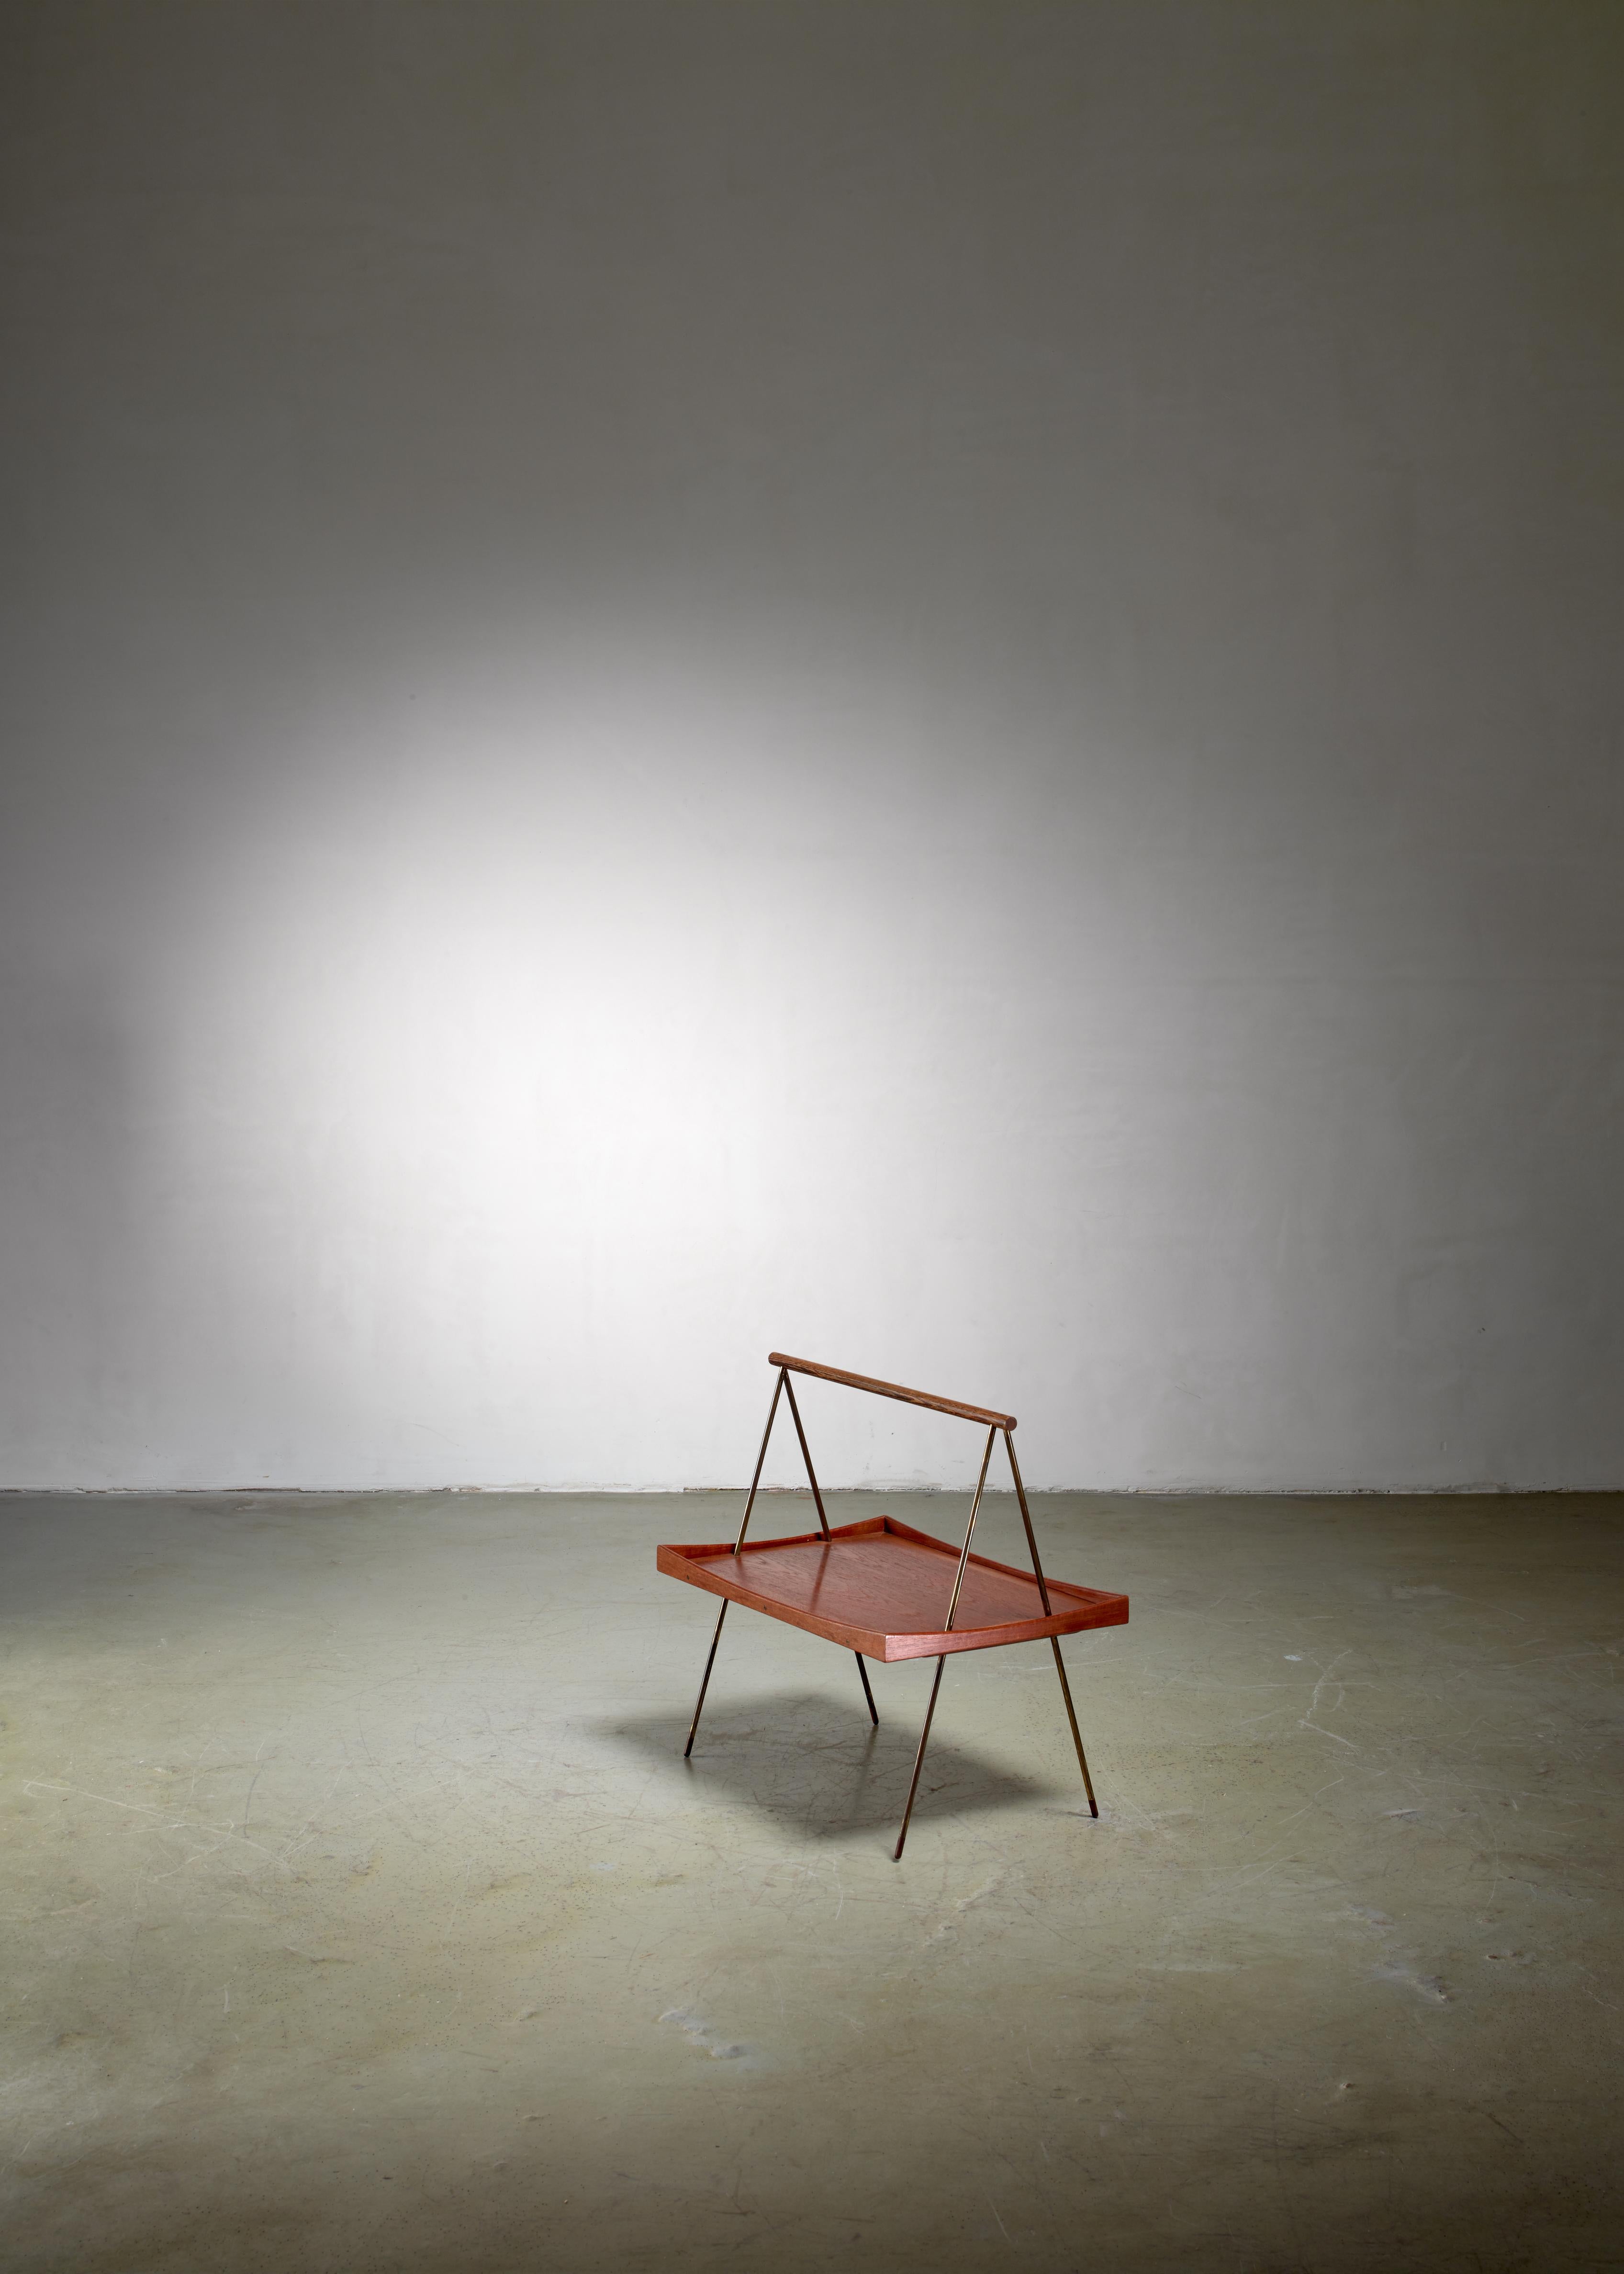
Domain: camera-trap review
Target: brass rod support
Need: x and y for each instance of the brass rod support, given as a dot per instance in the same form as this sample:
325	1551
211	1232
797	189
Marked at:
1026	1518
924	1735
919	1761
777	1392
794	1415
1054	1640
1082	1758
976	1505
699	1703
693	1727
817	1502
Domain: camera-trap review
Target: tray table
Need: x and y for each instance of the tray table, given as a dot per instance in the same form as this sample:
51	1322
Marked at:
884	1591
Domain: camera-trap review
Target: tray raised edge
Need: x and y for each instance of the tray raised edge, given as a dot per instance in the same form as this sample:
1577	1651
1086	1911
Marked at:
1092	1607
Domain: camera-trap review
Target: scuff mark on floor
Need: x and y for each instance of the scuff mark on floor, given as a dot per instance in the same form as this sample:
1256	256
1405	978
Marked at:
701	2035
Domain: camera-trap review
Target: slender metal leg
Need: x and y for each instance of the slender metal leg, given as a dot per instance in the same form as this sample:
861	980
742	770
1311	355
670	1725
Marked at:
772	1415
777	1391
919	1761
693	1727
975	1510
1082	1758
1026	1518
818	1497
1054	1640
818	1502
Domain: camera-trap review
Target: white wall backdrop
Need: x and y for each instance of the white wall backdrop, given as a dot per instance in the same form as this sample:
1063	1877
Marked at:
937	684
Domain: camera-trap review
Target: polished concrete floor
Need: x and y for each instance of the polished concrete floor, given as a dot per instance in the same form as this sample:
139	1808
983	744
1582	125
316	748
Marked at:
360	1913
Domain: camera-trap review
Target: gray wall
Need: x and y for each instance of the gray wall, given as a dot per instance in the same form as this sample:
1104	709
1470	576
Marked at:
938	683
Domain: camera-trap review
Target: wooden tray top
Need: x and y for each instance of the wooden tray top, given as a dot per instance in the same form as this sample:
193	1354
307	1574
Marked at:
882	1588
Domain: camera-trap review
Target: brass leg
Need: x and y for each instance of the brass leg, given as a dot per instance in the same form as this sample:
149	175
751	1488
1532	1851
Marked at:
777	1391
1026	1518
823	1521
924	1736
975	1510
693	1731
1082	1758
1054	1640
772	1415
818	1497
919	1761
693	1727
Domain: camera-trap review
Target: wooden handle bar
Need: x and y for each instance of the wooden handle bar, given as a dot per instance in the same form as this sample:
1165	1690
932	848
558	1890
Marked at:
894	1389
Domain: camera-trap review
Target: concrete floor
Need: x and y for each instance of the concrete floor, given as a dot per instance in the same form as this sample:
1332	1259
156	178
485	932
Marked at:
360	1912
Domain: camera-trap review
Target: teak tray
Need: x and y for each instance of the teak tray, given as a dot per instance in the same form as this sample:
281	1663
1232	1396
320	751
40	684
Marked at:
884	1589
880	1588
